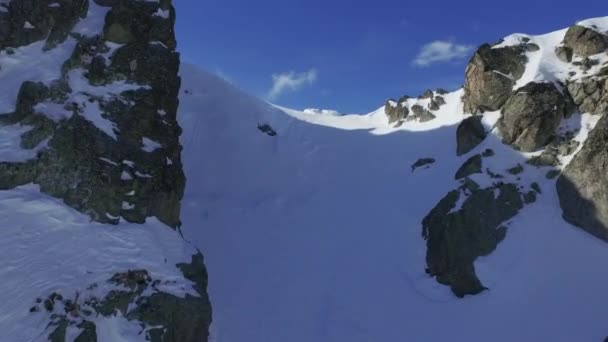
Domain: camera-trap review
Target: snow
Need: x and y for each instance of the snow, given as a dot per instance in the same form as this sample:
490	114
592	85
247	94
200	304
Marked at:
48	247
321	111
29	63
315	234
544	65
126	176
94	21
10	138
84	91
165	14
54	111
150	145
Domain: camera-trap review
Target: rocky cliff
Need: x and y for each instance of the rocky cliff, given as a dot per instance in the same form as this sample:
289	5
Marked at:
94	115
526	89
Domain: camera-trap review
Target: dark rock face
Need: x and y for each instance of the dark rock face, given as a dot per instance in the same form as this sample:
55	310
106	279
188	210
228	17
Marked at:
585	41
531	115
582	186
469	134
471	166
28	21
395	111
564	53
457	237
129	169
267	129
564	146
422	162
421	114
168	318
436	102
490	77
134	21
114	174
590	95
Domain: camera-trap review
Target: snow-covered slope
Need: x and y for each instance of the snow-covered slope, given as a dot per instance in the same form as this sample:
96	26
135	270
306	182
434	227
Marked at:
315	234
49	248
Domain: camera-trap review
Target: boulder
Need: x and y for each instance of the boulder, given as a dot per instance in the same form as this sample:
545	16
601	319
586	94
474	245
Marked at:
135	21
456	237
395	111
420	114
585	41
436	103
564	53
423	162
583	186
471	166
490	77
531	116
532	47
590	95
469	134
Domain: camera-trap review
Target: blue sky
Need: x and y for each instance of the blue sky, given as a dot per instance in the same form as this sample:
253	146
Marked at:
352	55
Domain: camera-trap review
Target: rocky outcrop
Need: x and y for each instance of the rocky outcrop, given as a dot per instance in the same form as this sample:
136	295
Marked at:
395	111
112	152
471	166
27	21
590	94
469	134
490	77
456	237
423	162
531	115
582	186
436	102
137	297
132	169
585	41
564	53
559	147
420	114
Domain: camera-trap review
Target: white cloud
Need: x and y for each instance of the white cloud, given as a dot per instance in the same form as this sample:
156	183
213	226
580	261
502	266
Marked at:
441	51
290	81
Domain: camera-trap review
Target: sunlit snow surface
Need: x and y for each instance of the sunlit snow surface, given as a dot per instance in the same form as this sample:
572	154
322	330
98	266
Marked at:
315	234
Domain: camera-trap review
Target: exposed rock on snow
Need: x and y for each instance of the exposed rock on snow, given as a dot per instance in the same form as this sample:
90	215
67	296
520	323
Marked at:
422	162
163	316
28	21
420	114
396	111
471	166
582	187
531	116
456	237
469	134
110	106
490	77
564	53
585	41
590	94
93	82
